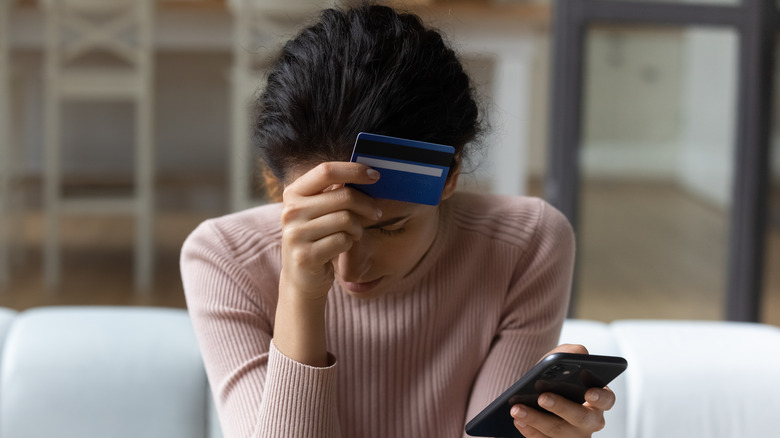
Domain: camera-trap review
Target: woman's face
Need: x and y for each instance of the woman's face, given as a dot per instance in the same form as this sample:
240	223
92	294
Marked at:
391	247
388	250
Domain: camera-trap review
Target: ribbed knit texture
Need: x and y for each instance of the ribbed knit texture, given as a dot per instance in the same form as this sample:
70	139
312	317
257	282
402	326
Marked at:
484	304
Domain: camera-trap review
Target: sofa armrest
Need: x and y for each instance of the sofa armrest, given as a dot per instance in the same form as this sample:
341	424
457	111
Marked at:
103	372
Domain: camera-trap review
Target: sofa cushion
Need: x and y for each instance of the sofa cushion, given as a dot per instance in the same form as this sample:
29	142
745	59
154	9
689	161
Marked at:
6	318
701	379
94	372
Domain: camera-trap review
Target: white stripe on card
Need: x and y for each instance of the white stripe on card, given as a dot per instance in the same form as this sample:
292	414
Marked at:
395	165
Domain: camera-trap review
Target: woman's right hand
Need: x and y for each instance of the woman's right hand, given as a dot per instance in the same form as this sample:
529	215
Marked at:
320	220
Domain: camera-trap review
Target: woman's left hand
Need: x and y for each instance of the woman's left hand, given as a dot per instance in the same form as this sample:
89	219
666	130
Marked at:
573	419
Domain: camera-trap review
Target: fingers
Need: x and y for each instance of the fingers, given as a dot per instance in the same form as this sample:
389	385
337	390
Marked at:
600	398
571	419
299	208
570	348
530	422
321	177
578	415
567	348
320	191
574	420
317	241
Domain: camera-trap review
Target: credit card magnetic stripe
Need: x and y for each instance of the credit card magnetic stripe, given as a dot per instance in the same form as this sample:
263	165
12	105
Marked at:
411	152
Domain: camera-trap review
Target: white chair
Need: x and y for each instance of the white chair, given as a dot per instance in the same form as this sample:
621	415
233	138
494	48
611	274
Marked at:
260	27
77	30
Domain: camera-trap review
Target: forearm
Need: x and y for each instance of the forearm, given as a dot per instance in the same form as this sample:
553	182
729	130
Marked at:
299	326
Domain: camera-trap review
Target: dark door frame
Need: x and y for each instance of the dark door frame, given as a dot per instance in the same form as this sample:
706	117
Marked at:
756	22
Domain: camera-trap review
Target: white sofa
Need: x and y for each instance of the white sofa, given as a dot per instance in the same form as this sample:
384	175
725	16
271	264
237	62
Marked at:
119	372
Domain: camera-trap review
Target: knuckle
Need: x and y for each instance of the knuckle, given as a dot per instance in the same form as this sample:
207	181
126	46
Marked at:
348	196
291	234
342	196
344	218
287	192
288	214
600	423
591	420
326	169
342	240
557	429
299	257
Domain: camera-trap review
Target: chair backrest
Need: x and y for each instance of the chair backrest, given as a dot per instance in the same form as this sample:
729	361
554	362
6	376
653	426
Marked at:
116	30
261	26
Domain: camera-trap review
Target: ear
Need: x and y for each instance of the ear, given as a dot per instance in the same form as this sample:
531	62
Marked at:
451	183
273	186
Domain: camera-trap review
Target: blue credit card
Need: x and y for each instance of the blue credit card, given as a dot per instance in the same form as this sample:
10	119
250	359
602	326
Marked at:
410	170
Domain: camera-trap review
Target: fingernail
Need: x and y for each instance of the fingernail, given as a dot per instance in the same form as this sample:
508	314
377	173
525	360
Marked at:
372	173
378	213
546	401
518	412
593	396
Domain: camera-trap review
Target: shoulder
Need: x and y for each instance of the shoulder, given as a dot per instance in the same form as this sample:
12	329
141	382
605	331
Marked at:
237	235
516	220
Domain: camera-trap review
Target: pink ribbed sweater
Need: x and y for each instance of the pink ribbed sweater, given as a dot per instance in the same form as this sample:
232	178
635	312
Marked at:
484	304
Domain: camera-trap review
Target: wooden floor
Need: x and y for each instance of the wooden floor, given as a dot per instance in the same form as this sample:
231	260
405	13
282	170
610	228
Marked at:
651	251
645	251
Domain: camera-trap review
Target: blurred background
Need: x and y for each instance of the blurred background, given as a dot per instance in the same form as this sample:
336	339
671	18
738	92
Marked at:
124	125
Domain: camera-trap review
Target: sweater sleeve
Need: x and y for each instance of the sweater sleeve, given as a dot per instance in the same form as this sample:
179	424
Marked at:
534	309
258	391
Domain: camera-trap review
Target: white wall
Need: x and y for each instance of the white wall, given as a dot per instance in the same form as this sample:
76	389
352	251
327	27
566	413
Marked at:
707	137
659	105
632	115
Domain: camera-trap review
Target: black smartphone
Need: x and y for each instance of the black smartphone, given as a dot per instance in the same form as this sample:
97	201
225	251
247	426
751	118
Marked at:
567	374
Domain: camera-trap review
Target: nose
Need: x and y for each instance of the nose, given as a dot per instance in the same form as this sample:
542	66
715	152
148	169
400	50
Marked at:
352	265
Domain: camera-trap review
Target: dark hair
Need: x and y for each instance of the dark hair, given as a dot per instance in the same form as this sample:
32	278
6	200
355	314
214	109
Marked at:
368	69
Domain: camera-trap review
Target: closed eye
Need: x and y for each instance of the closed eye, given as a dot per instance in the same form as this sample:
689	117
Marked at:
387	232
390	227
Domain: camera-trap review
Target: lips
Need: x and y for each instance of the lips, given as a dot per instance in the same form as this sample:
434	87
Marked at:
360	288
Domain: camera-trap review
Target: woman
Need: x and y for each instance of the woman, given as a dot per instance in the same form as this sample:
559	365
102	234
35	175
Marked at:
332	314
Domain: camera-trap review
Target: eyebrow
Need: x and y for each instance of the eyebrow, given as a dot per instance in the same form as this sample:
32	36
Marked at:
388	222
